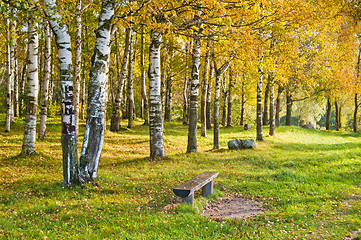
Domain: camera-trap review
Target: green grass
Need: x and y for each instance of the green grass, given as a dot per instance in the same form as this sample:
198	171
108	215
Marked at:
308	180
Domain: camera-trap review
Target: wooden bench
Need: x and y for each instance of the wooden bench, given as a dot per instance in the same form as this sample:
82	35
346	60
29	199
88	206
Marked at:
203	180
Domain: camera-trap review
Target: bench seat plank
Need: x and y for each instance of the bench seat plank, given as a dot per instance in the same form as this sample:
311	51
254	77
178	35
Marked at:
185	189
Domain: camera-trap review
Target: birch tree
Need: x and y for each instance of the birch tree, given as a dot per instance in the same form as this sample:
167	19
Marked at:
122	75
205	90
77	68
32	88
45	81
95	126
155	108
68	137
145	112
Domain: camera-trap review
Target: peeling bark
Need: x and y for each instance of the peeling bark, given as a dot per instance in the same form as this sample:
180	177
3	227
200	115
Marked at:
95	126
68	138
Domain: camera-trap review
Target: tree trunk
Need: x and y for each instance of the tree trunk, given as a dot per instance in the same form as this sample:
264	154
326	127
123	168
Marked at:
22	90
328	114
336	117
339	117
122	75
68	138
163	76
278	106
194	91
230	90
169	94
265	105
209	99
16	90
95	125
217	90
9	82
355	114
288	108
272	106
205	90
242	102
259	105
12	64
45	81
130	95
145	113
224	100
155	114
77	69
186	91
32	88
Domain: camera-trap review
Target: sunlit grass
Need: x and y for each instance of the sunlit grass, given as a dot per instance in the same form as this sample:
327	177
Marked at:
308	180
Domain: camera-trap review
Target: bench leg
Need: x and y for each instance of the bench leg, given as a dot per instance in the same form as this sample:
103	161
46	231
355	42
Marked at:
189	199
207	189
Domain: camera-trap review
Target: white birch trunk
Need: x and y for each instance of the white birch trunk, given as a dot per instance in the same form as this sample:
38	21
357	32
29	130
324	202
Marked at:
145	113
259	103
95	126
68	138
194	92
155	110
12	64
32	88
9	79
272	106
45	82
77	67
122	75
130	95
204	94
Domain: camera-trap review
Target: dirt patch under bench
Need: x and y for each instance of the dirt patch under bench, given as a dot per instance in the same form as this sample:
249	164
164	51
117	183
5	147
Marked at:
233	207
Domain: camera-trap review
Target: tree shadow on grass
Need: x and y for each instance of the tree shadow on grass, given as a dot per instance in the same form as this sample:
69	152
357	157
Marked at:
317	147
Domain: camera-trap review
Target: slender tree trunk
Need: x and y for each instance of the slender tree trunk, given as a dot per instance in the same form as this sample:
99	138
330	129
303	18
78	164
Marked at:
145	113
272	106
278	105
9	84
32	88
336	117
209	99
122	75
45	81
83	96
163	76
205	90
130	95
328	114
194	92
16	90
224	100
217	90
288	108
339	117
259	104
68	138
242	102
155	114
95	125
169	93
22	90
186	91
77	69
355	114
12	64
265	105
230	90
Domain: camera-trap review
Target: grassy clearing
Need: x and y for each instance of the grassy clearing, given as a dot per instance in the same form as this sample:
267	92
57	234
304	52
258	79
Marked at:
308	180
